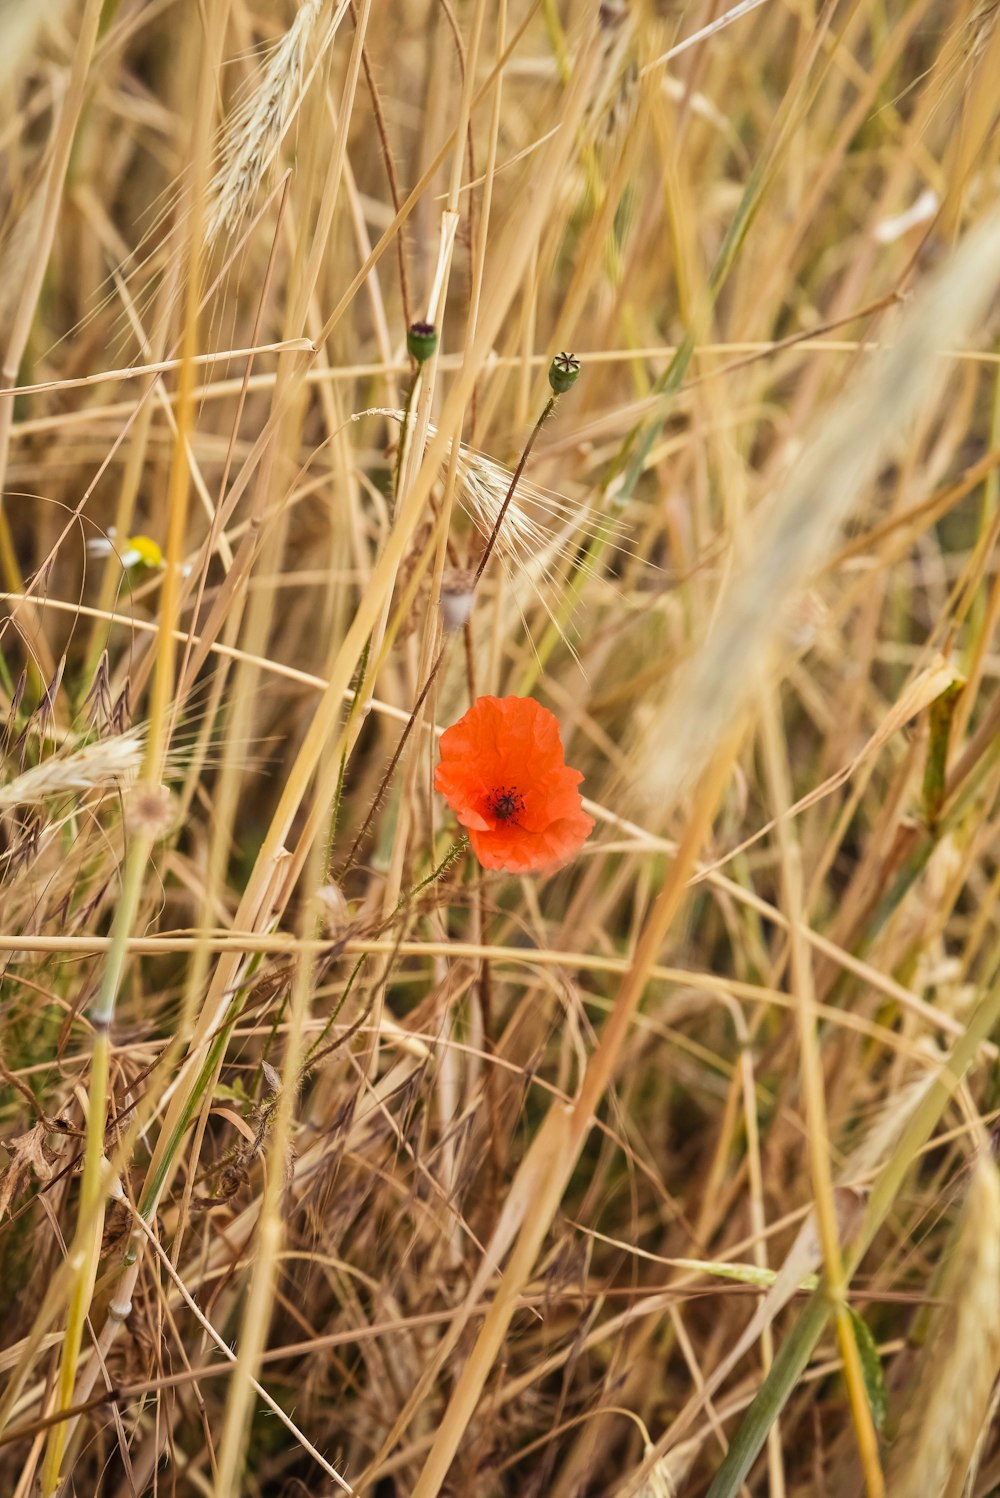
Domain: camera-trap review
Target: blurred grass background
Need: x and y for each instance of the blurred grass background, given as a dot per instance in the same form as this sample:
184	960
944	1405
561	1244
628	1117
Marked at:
498	1185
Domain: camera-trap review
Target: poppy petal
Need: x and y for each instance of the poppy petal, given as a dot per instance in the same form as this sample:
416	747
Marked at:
503	772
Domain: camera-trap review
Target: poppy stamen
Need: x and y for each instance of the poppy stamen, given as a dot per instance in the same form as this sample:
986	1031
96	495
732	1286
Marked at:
506	803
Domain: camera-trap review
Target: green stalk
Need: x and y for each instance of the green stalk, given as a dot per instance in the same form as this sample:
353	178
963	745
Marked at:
798	1347
942	715
259	1303
90	1222
205	1078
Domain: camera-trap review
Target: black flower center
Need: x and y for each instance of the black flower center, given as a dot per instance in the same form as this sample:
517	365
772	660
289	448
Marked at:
505	803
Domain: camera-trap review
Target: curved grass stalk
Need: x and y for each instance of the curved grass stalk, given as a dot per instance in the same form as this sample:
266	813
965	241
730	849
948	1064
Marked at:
797	1348
87	1243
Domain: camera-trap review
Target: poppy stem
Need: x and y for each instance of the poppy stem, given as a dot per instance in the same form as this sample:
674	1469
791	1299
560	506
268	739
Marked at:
558	386
454	853
496	1133
515	480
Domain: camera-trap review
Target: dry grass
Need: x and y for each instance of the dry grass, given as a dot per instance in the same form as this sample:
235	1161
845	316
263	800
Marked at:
331	1161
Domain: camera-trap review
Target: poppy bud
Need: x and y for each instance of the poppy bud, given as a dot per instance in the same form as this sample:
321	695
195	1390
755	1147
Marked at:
421	340
563	372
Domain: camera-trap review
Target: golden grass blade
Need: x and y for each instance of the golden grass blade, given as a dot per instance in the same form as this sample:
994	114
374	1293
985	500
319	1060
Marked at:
800	523
472	1182
960	1362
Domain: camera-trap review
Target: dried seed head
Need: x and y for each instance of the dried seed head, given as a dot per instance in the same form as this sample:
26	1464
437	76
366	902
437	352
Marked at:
257	127
107	764
150	811
421	340
458	588
946	1410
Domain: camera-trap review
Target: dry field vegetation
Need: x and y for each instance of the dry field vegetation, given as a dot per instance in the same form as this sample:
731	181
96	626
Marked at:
333	1160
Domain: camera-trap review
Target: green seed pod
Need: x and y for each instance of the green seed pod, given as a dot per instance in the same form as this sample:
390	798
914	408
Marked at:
421	340
563	372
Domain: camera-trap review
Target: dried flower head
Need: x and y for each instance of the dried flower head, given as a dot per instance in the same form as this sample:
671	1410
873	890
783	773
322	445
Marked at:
504	774
333	908
150	810
458	589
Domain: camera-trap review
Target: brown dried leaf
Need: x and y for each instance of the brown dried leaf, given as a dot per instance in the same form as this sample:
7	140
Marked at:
29	1156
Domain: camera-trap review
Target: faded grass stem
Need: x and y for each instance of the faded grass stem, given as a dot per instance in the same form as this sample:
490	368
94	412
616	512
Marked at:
258	1308
544	1174
222	1346
321	737
62	145
141	841
24	316
812	535
798	1346
813	1087
412	446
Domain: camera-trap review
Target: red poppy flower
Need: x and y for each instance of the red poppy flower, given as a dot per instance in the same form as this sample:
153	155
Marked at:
503	773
